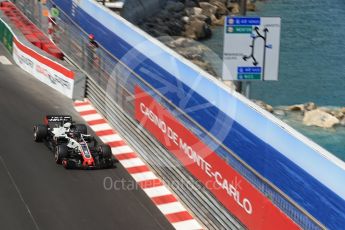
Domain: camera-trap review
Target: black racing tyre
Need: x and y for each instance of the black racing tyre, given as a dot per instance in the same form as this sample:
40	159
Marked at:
40	132
69	164
104	151
60	153
81	128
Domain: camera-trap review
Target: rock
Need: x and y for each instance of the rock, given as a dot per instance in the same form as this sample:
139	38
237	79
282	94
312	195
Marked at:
166	40
342	110
189	11
163	14
309	106
338	114
197	11
251	6
182	42
221	8
189	32
190	3
174	27
197	29
174	6
191	53
299	107
177	16
218	1
219	22
264	105
326	109
205	66
156	33
185	19
234	8
319	118
208	9
201	17
342	122
279	112
269	108
214	19
229	84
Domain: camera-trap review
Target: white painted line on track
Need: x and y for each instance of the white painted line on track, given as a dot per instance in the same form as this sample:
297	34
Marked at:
157	191
121	150
143	176
100	127
170	208
110	138
187	225
84	108
134	162
92	117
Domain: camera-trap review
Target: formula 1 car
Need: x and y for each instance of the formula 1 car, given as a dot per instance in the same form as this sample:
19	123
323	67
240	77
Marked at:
71	145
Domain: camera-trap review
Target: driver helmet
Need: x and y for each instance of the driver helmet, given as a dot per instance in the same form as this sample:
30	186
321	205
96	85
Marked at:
67	125
91	37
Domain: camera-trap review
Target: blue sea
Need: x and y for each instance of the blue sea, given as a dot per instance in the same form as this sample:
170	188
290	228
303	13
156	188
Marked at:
312	62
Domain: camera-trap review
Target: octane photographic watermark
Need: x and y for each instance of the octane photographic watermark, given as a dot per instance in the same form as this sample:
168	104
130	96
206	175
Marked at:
232	188
124	77
111	184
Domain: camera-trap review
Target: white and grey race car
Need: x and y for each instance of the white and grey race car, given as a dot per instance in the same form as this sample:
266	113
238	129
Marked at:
72	146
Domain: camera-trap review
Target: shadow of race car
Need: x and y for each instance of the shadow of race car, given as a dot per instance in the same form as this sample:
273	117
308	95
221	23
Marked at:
71	145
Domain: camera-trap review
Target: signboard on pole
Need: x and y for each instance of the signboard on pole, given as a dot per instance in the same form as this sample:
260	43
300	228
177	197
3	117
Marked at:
251	48
6	36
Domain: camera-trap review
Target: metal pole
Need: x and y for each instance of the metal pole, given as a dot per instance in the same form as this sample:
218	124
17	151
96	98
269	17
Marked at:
244	87
243	7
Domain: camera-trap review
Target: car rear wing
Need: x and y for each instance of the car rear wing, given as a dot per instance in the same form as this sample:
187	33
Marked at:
57	118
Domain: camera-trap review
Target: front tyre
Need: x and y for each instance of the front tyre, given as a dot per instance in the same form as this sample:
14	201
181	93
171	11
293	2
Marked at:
69	164
40	133
60	153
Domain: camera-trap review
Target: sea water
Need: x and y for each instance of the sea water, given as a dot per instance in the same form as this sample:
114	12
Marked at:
312	62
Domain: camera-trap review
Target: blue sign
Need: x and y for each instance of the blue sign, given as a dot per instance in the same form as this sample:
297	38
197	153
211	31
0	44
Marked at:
244	70
243	21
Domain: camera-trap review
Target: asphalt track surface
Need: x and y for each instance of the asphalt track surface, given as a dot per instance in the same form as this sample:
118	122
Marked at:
35	193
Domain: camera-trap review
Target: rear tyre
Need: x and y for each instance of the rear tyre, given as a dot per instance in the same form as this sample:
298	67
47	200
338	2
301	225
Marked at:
104	151
81	128
69	164
60	153
40	133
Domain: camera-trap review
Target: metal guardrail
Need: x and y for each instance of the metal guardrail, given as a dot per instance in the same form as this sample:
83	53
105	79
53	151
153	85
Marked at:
193	195
109	87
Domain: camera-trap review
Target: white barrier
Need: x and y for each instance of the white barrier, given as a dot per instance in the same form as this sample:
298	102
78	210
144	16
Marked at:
43	67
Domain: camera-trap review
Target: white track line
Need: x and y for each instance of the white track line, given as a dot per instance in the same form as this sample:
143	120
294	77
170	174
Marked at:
92	117
187	224
100	127
110	138
157	191
130	163
121	150
143	176
84	108
170	208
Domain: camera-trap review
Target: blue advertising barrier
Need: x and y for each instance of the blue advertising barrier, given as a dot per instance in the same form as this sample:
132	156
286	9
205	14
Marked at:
308	174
